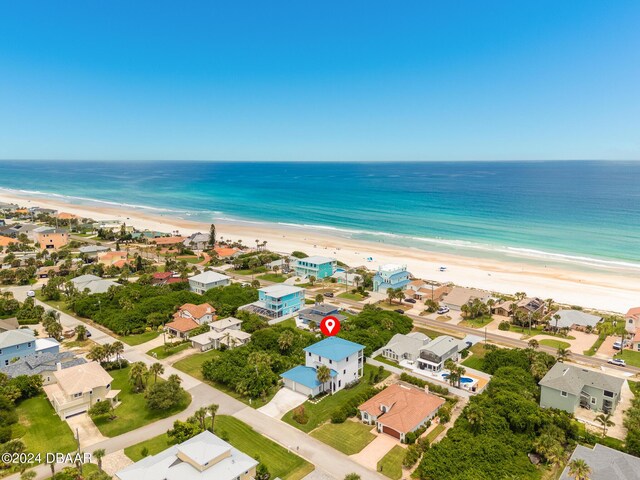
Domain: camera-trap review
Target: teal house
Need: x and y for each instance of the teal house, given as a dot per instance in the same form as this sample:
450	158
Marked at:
277	301
319	267
391	276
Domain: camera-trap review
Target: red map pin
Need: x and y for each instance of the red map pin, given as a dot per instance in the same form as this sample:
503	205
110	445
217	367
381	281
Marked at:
330	326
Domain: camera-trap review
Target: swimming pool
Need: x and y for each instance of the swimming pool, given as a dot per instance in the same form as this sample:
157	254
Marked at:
462	380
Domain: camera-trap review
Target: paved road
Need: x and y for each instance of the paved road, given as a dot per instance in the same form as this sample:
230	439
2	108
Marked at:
326	459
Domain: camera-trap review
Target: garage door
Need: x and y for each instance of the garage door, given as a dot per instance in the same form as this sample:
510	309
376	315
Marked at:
72	413
390	431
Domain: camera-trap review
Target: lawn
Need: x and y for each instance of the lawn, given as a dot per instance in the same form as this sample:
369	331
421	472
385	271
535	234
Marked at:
140	338
391	464
351	296
382	359
132	413
41	429
433	333
554	343
280	462
192	365
349	437
477	322
631	357
191	259
597	344
320	412
164	351
394	306
475	360
272	277
635	387
431	436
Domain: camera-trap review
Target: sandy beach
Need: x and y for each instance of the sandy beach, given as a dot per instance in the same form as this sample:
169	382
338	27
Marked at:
601	291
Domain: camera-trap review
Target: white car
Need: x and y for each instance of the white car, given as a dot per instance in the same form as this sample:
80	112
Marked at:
442	310
618	362
31	293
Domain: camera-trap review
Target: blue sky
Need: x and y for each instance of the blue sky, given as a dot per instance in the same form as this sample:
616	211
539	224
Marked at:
358	80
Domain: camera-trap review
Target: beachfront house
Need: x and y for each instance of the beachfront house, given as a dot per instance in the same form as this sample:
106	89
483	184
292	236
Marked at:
567	387
317	312
605	463
203	457
347	278
189	317
197	241
344	359
527	306
76	389
459	296
421	290
225	332
435	353
405	347
632	320
575	319
207	280
400	409
317	266
277	301
22	343
49	238
93	284
391	276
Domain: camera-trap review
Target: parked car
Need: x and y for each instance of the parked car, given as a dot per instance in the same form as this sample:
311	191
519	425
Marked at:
442	310
88	333
410	300
69	333
399	310
618	362
619	345
31	293
328	294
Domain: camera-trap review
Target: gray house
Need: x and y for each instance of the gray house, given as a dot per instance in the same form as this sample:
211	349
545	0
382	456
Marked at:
405	347
317	312
567	387
207	280
605	463
575	319
437	351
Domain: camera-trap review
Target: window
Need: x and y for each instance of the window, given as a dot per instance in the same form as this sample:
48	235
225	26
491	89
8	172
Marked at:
593	400
609	394
330	362
29	344
309	353
344	372
563	394
76	395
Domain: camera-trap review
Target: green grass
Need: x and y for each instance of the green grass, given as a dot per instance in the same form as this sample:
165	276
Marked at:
436	333
41	429
138	339
320	412
431	436
632	358
192	365
475	360
272	277
162	351
635	387
394	306
351	296
280	462
594	348
554	343
191	259
391	464
132	413
382	359
246	271
477	322
349	437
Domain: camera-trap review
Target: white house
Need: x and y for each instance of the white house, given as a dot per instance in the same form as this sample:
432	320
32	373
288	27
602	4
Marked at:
344	359
223	332
207	280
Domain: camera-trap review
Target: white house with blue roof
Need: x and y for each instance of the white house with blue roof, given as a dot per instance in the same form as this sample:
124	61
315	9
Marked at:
344	359
391	276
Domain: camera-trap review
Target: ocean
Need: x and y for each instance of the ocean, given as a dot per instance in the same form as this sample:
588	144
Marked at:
584	214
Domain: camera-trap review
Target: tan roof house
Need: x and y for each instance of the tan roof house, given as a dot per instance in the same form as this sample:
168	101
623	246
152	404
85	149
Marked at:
111	258
400	409
76	389
459	296
632	319
526	305
51	238
189	317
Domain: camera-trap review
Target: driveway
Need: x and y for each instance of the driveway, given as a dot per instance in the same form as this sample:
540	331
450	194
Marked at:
282	402
372	453
83	426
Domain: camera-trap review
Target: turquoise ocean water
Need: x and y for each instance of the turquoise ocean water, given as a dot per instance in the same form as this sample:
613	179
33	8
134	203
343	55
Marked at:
580	214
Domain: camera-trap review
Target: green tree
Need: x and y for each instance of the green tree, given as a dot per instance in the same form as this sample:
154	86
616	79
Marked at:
563	354
285	340
99	455
605	421
579	469
155	370
212	410
137	376
323	374
212	236
81	332
319	298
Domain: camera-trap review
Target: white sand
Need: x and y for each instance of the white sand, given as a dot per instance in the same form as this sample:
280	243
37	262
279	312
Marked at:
601	291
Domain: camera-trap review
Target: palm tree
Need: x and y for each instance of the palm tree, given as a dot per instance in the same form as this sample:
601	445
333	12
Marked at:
137	374
579	469
605	421
81	332
28	475
96	354
285	340
391	294
117	348
98	455
556	317
155	370
563	354
399	294
201	416
319	298
323	374
533	344
212	409
312	279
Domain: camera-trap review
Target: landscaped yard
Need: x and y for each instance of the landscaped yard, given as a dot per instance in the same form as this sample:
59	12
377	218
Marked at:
280	462
477	322
139	338
394	306
475	360
191	259
132	412
164	351
272	277
433	333
349	437
382	359
41	429
431	436
351	296
320	412
391	464
554	343
631	357
596	345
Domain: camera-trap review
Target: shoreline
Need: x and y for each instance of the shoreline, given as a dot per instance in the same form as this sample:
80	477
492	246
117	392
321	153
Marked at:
607	292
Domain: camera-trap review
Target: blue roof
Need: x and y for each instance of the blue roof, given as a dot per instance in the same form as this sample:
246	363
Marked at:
304	376
334	348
